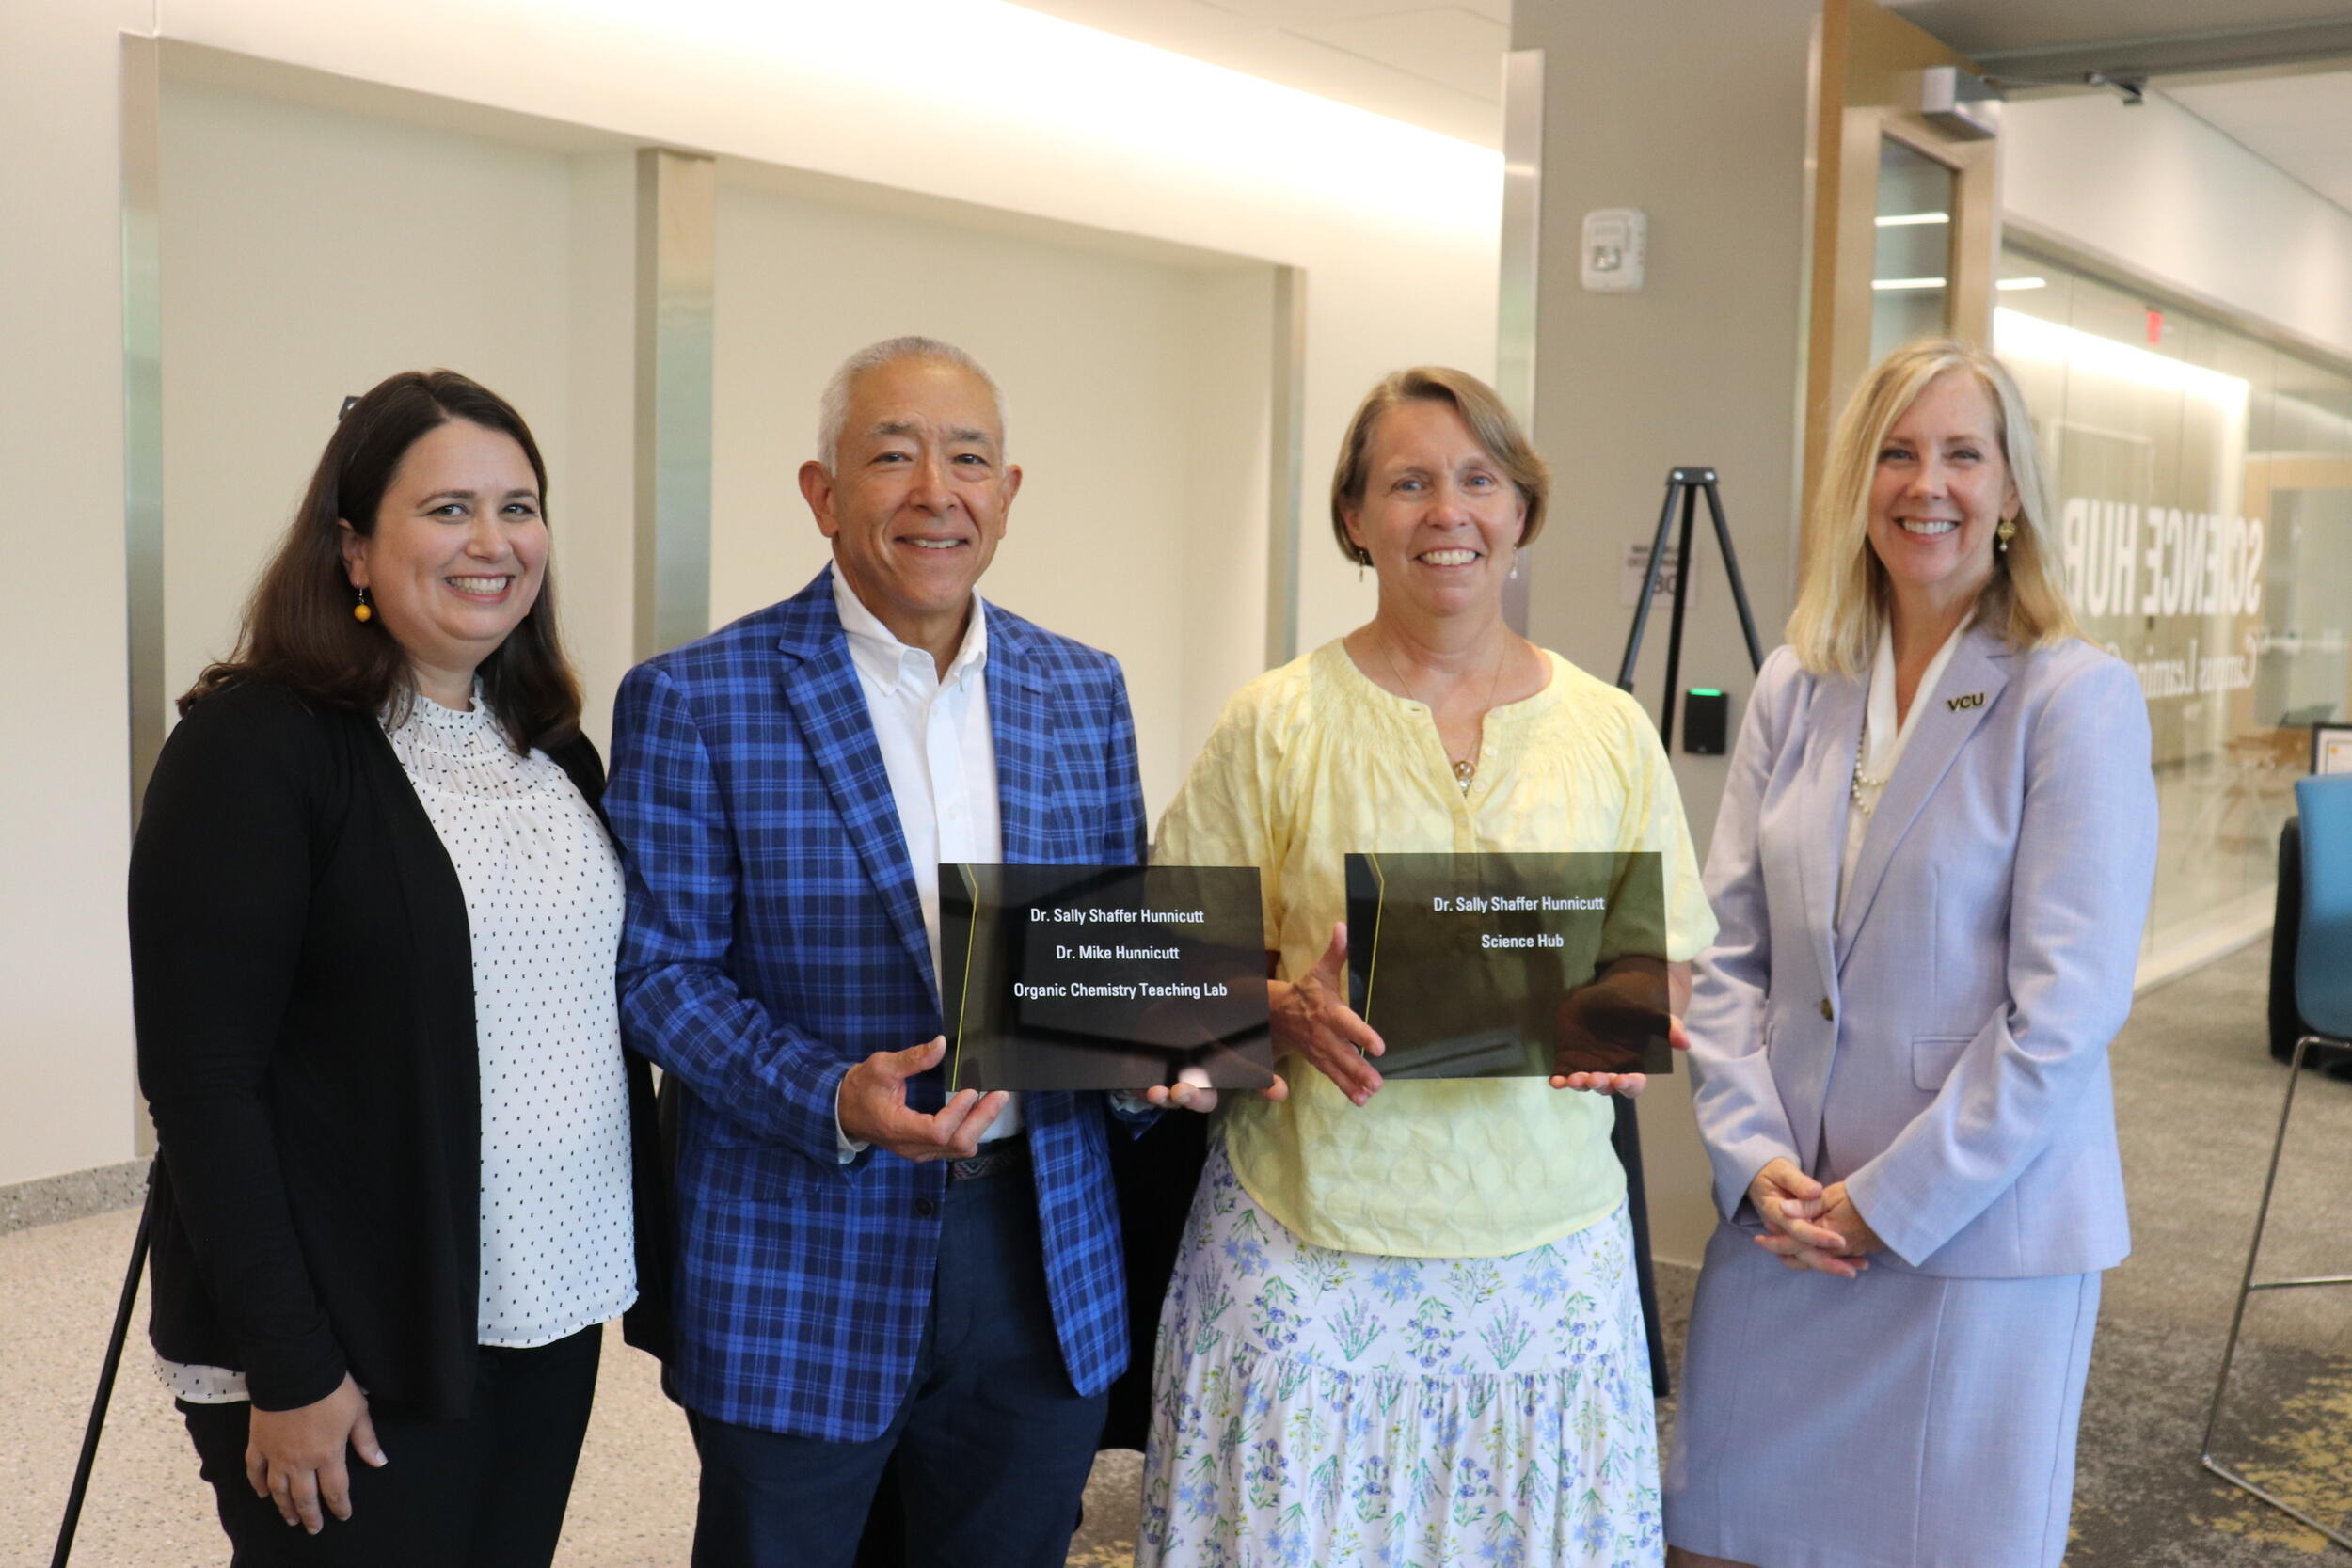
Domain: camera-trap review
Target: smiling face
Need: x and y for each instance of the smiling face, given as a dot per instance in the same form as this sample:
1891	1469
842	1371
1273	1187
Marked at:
1940	488
917	496
458	553
1439	516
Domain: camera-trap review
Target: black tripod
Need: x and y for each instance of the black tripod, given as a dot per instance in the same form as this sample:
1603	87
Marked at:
105	1379
1686	485
1626	1137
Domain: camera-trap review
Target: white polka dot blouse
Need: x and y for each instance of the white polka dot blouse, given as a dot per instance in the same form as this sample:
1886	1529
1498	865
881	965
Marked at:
543	905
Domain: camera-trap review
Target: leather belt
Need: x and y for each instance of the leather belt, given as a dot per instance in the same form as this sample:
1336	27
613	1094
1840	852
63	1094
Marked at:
1005	1154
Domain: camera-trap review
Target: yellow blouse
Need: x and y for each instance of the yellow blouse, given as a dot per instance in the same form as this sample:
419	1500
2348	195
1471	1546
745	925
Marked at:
1313	761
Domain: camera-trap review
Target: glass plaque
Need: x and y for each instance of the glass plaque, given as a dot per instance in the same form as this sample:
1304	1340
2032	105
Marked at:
1510	965
1103	977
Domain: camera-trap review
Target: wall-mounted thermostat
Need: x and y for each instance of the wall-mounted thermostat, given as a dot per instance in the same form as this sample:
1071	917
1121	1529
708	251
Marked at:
1616	243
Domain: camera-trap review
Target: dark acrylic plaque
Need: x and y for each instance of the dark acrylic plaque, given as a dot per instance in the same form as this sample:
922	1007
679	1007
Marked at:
1508	964
1103	977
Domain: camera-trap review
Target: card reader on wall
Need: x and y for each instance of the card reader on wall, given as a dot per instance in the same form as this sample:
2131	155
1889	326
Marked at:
1616	250
1706	714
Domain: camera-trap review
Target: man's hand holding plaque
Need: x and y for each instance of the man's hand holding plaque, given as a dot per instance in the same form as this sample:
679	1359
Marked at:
1149	979
873	1109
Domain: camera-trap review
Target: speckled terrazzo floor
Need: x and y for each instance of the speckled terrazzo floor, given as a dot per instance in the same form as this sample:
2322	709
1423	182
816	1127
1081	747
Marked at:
2198	1100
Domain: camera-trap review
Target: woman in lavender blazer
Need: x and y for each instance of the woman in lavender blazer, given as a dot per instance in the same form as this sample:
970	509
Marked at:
1932	868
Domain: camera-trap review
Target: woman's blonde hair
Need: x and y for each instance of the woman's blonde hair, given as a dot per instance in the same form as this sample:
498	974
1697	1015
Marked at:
1842	592
1480	408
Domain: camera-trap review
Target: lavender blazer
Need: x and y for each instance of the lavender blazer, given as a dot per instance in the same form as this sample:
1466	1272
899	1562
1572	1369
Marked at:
1941	1047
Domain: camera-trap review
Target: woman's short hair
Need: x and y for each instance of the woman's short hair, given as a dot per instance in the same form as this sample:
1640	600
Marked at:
1490	422
298	631
1842	591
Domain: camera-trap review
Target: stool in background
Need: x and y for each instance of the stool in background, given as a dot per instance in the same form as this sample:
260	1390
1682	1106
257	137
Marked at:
2323	994
2286	1019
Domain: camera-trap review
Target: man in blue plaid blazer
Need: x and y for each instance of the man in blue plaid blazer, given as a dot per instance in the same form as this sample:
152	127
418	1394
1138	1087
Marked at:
864	1269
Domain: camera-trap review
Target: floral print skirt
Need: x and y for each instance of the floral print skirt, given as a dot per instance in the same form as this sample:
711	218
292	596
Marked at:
1345	1410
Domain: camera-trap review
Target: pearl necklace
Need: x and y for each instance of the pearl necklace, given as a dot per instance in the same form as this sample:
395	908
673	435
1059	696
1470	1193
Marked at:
1865	788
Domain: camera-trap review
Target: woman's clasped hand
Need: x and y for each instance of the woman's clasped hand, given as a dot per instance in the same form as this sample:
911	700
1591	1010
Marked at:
1809	1225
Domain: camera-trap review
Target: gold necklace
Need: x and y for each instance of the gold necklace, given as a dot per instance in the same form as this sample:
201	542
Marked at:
1465	769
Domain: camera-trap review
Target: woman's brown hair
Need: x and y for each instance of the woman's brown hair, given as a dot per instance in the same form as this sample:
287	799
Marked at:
298	630
1490	422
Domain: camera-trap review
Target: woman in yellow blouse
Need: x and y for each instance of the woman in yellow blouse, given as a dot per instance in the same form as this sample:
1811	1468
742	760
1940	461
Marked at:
1403	1327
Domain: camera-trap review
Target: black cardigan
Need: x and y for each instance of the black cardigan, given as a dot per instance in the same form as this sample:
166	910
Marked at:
302	981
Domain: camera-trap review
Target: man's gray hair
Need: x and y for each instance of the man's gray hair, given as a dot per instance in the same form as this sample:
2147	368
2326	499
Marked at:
833	407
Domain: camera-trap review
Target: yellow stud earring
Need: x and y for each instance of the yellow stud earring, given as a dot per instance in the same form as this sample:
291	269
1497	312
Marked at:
362	612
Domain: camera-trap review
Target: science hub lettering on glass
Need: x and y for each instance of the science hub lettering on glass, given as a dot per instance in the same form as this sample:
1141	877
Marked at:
2122	559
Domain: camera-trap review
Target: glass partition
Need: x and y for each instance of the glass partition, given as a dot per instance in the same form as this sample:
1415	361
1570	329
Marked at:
1910	266
2203	486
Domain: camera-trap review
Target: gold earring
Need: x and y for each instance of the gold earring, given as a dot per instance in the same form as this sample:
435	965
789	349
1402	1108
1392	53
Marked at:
2002	535
362	612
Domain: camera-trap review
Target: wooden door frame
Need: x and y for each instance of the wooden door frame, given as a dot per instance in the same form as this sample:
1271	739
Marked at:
1869	62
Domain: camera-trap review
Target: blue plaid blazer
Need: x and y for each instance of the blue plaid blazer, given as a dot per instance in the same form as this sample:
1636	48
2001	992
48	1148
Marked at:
774	940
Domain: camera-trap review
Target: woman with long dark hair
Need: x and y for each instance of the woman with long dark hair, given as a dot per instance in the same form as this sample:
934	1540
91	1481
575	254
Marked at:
405	1170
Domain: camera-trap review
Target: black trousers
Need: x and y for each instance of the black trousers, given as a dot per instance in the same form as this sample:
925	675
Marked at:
487	1492
991	1444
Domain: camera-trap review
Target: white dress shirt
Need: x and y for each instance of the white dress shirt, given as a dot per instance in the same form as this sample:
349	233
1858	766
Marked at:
941	756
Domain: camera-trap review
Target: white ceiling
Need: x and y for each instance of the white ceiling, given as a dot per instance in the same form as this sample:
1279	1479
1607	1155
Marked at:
2010	26
1435	65
2301	123
1440	65
2297	116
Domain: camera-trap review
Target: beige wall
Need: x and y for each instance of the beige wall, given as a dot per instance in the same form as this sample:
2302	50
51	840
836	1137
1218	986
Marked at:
1140	385
65	1019
372	247
1695	114
1100	355
1227	472
982	104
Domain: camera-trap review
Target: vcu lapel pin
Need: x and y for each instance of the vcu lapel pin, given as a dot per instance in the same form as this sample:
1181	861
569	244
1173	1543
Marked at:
1973	698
